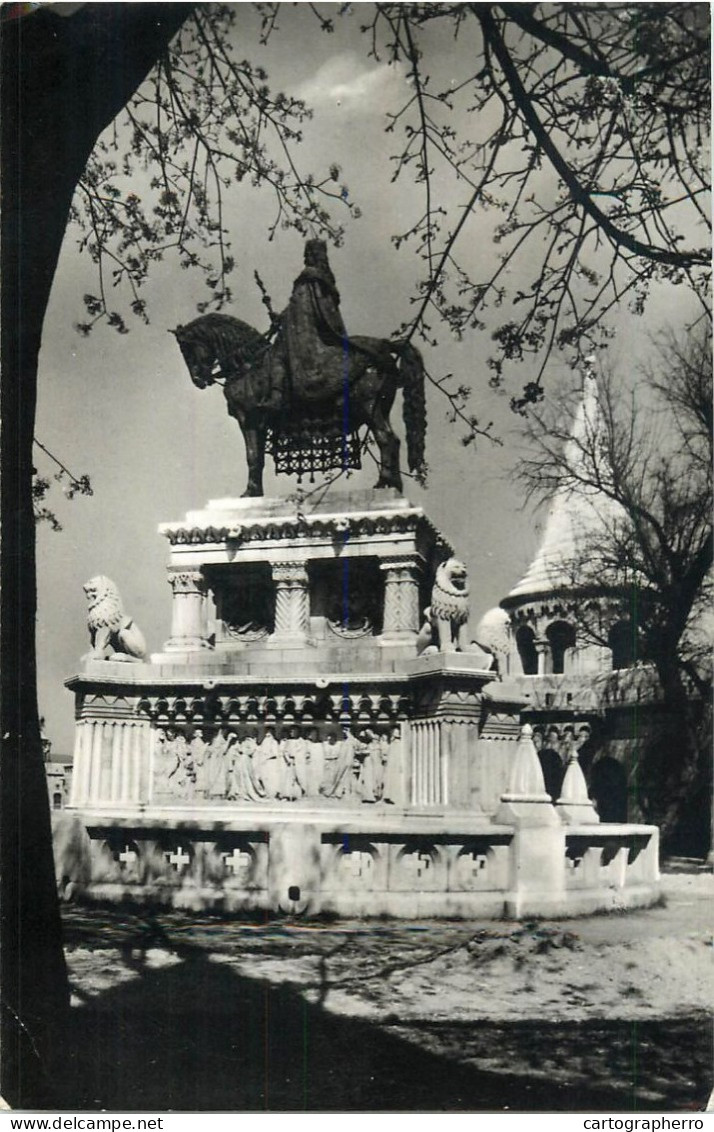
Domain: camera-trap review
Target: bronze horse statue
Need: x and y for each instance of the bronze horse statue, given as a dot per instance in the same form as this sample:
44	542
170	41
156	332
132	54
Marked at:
310	379
359	392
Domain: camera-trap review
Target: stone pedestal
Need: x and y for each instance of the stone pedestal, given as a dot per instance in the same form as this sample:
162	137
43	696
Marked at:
312	761
372	546
537	852
536	872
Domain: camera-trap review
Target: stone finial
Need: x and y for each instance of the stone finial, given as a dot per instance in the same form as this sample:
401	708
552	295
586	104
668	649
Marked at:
526	774
574	805
113	635
526	803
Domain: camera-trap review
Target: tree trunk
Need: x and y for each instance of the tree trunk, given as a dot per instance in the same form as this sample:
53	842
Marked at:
677	764
63	81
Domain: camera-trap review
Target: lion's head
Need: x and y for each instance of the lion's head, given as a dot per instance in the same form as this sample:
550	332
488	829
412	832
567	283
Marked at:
104	607
452	578
450	595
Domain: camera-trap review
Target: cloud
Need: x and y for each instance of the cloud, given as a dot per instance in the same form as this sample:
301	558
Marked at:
344	80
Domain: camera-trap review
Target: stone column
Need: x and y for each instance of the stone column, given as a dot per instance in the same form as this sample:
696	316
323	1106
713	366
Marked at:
188	621
542	646
95	771
292	604
401	600
117	741
430	773
127	750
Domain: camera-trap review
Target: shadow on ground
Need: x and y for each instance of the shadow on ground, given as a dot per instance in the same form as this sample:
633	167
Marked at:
199	1036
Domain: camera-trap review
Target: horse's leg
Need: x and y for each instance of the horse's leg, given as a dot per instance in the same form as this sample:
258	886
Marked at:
387	441
254	436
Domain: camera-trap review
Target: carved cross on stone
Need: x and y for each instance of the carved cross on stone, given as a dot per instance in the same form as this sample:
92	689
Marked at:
358	863
237	860
471	864
127	857
417	863
178	858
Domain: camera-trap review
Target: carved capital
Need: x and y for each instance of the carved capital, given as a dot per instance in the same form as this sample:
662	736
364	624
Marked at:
187	582
290	574
400	569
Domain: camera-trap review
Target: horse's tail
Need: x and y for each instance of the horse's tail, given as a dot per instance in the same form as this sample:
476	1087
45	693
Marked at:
411	370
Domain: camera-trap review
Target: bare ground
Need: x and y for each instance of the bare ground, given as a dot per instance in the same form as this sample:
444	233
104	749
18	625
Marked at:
603	1013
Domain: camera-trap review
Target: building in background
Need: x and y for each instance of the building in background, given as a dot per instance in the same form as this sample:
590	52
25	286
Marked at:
58	770
567	635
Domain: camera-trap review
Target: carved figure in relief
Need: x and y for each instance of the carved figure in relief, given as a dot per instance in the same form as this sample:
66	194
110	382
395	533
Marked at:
176	774
199	746
268	759
216	762
392	753
331	754
446	620
210	767
244	783
315	763
296	747
165	762
369	778
113	635
343	783
289	788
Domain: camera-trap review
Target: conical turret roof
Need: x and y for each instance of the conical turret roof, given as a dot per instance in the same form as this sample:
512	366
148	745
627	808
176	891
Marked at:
575	516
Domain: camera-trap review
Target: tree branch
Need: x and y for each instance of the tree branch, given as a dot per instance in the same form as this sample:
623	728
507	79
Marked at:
578	193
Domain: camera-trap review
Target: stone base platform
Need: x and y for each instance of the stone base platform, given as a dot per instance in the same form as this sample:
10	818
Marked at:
346	864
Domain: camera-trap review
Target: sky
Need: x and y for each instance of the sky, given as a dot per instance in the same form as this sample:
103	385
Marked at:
122	409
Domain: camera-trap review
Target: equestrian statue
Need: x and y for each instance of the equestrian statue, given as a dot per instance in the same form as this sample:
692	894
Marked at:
303	390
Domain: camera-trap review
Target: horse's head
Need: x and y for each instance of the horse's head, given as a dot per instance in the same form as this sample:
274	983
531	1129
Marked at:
198	354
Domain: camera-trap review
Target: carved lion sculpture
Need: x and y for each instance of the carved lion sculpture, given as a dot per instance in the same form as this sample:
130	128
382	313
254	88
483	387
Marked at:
493	636
446	619
113	635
